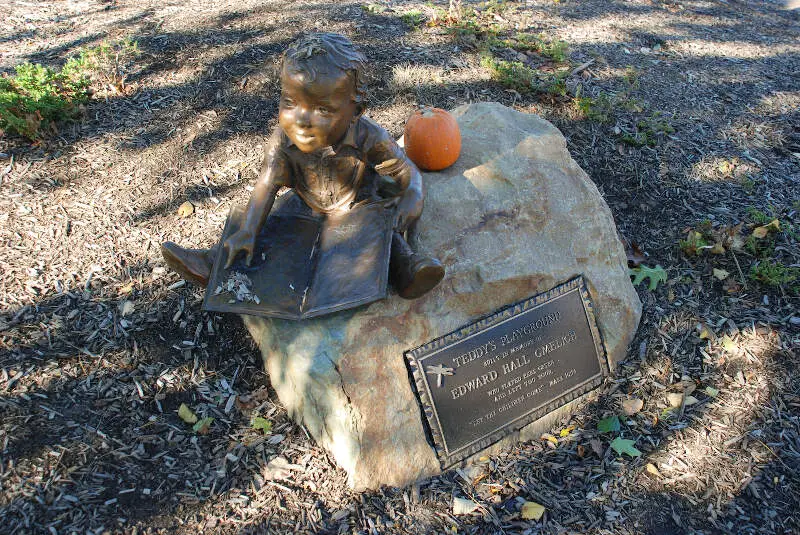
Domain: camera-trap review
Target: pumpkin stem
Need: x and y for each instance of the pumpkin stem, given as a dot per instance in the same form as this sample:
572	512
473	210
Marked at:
426	111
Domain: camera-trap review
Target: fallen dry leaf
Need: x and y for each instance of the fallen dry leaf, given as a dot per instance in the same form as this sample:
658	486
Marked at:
731	286
652	470
597	447
532	511
721	274
728	344
128	288
279	468
675	399
202	427
186	414
186	209
690	400
632	406
550	438
126	308
703	331
463	506
634	254
245	402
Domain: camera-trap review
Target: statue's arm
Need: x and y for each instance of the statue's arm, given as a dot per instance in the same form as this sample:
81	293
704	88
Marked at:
273	175
390	160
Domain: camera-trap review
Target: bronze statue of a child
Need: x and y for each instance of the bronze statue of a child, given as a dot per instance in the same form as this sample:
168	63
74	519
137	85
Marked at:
332	158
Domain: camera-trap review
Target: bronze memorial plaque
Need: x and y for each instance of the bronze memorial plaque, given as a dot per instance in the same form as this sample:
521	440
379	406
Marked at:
493	377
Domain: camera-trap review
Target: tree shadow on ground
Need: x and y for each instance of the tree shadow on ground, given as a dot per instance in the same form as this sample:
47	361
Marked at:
107	443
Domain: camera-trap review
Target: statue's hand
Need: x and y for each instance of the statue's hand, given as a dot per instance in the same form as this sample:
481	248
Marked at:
409	208
241	240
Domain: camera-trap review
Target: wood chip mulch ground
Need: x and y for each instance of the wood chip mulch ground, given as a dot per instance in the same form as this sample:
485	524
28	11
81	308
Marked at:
100	345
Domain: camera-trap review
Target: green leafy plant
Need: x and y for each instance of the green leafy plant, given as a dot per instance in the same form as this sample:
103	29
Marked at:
631	77
516	76
600	109
413	18
636	139
757	216
774	273
694	243
374	9
761	242
609	425
261	423
553	49
629	103
37	97
648	131
656	275
656	124
512	74
107	64
494	6
625	446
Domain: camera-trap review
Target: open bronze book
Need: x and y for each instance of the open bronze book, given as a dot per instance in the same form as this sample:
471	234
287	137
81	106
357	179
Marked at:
306	265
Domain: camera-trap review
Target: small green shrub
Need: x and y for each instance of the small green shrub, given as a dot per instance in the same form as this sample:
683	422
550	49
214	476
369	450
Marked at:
773	273
495	6
656	125
757	216
555	84
631	77
107	64
637	139
550	48
470	30
516	76
413	18
555	50
600	109
374	9
37	96
629	103
693	244
648	131
760	248
511	74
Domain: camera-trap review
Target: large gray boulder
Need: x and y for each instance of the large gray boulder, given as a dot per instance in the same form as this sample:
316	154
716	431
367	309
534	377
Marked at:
513	217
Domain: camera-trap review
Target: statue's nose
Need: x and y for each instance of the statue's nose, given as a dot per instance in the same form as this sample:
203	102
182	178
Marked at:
304	118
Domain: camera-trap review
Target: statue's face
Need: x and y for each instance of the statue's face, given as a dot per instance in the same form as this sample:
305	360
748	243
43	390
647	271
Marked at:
316	113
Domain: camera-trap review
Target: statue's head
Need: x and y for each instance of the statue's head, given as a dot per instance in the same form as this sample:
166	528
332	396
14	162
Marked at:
322	90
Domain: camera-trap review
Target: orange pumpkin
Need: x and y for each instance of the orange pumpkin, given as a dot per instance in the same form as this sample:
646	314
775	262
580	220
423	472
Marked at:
432	139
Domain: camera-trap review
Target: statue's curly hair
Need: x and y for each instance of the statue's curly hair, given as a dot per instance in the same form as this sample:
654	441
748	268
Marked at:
338	51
